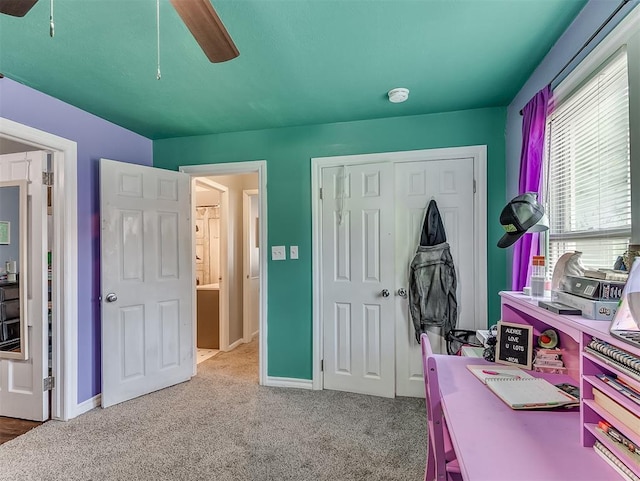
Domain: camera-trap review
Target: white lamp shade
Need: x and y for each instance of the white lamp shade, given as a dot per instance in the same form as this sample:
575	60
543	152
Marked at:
627	317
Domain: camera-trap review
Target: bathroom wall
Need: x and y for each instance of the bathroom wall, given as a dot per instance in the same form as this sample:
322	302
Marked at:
236	184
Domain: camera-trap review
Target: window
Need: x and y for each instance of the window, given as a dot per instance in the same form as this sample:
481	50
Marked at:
587	181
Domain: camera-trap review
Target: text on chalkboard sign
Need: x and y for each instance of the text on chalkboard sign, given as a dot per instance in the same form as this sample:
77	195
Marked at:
515	344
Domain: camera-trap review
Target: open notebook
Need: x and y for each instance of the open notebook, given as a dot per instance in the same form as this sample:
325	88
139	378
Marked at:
519	390
530	393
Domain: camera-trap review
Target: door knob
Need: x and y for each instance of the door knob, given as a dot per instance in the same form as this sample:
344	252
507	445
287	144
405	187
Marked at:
385	292
402	292
111	297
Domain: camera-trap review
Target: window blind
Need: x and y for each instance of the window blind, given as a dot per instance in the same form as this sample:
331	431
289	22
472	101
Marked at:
587	169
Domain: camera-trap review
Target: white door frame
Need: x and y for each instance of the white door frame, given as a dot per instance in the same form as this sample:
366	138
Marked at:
246	261
225	240
259	167
479	155
64	396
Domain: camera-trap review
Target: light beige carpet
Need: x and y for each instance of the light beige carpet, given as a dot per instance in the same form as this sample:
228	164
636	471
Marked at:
222	426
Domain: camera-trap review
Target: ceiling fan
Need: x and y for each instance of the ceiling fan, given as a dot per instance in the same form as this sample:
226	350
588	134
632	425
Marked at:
198	15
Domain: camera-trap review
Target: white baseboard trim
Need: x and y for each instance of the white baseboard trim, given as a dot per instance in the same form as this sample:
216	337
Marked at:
289	382
252	337
231	347
87	405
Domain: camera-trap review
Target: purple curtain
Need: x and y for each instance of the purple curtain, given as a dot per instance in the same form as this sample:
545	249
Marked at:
534	117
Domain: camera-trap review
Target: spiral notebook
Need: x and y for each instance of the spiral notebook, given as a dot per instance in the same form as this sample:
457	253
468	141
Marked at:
485	371
615	462
530	393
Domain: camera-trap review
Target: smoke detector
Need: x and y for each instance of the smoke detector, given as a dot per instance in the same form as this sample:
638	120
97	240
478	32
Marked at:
398	95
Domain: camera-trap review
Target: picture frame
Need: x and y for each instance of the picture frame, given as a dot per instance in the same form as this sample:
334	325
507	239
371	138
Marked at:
5	232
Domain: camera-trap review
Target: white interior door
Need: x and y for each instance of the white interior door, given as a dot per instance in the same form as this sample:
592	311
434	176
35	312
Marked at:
147	280
21	382
358	321
450	183
250	265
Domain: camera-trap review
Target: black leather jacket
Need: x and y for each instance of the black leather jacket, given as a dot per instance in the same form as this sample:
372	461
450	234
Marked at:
432	289
432	278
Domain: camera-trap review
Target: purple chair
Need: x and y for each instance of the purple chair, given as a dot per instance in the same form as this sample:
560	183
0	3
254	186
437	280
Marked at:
442	464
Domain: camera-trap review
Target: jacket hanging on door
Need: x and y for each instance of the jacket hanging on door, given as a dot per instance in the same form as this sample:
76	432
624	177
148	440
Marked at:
432	279
432	228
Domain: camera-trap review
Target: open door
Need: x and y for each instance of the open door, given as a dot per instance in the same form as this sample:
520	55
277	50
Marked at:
22	391
147	280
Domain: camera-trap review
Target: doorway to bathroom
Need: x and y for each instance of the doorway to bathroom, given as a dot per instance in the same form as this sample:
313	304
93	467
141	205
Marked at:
209	252
227	225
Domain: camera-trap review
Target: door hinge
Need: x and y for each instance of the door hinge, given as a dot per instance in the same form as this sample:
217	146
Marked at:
47	178
320	193
322	366
48	383
474	186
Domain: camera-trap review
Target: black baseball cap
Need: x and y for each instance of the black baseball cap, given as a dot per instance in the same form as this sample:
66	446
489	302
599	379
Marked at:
523	213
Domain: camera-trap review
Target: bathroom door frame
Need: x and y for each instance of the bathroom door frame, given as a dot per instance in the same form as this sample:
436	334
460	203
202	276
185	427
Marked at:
247	227
233	168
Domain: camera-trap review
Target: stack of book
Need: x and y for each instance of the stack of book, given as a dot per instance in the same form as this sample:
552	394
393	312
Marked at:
615	462
621	386
614	356
616	398
549	361
621	452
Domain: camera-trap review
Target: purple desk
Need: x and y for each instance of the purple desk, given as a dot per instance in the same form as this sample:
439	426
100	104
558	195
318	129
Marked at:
496	443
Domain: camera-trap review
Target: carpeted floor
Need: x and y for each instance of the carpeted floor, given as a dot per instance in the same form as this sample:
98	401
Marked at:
222	426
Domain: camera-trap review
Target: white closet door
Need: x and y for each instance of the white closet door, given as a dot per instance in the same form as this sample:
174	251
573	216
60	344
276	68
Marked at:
357	258
450	183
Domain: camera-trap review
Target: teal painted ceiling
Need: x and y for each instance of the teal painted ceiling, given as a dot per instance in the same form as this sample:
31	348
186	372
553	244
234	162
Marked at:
301	61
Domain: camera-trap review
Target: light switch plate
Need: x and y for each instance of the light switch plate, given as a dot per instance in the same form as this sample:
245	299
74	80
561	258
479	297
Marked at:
293	252
278	253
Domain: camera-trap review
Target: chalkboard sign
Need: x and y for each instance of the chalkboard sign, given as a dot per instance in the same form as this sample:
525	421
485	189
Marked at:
515	344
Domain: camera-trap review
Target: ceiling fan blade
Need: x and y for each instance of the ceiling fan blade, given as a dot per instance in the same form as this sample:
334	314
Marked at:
16	8
207	28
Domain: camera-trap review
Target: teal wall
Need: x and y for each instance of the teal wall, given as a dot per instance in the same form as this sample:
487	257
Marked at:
288	152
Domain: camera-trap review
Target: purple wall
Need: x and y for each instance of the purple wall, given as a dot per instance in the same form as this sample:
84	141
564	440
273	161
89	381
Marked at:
95	138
